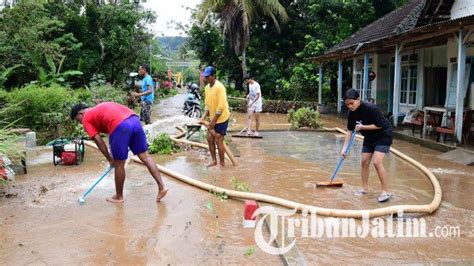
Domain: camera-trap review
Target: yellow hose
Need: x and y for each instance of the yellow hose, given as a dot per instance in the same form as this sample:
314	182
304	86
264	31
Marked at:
427	208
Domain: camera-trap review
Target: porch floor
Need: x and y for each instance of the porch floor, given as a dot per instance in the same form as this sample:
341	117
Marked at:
405	132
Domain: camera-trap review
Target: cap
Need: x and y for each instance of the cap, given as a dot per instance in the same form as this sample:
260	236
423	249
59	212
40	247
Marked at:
209	71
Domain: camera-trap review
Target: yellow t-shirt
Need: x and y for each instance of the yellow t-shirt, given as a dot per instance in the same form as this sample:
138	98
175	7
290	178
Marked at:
216	101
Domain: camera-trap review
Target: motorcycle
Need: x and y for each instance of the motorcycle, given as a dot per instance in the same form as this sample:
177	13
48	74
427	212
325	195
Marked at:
192	104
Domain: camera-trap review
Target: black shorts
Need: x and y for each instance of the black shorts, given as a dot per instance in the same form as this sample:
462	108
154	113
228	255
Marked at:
374	148
221	128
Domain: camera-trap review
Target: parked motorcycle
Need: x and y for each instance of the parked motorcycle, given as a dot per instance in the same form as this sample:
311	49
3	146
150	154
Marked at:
192	104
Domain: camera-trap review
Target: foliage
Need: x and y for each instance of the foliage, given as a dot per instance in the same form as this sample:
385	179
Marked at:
239	185
211	48
30	36
236	18
278	59
163	145
46	109
68	42
221	196
5	73
164	93
53	75
249	251
171	44
106	93
271	106
38	107
8	141
304	117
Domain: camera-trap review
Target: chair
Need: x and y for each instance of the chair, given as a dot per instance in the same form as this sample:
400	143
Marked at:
414	124
450	129
433	119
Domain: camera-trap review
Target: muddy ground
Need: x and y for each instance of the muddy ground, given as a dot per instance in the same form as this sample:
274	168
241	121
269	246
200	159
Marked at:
41	221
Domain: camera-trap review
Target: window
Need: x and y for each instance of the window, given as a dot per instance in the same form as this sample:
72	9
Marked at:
359	75
409	84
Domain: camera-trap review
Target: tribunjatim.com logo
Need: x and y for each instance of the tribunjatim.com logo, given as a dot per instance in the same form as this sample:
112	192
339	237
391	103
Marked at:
284	224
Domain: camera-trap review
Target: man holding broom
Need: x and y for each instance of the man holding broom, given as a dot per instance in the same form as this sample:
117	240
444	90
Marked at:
217	109
125	131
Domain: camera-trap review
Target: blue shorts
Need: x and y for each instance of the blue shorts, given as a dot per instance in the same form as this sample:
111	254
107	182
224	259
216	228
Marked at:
221	128
373	148
129	133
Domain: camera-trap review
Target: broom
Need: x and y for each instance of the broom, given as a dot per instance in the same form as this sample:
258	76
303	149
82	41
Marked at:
333	183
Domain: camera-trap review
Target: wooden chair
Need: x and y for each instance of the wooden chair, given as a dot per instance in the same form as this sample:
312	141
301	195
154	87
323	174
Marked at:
433	119
450	129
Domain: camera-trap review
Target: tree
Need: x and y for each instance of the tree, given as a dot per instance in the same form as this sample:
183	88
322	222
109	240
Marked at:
55	40
236	19
28	37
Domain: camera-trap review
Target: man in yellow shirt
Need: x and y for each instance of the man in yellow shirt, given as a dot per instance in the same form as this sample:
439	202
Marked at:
217	109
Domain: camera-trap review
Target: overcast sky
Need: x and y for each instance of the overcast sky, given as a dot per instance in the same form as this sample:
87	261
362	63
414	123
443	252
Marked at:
169	10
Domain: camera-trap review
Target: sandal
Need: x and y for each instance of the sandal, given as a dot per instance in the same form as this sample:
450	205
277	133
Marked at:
385	196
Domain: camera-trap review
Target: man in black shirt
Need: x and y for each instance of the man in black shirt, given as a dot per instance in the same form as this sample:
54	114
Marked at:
365	118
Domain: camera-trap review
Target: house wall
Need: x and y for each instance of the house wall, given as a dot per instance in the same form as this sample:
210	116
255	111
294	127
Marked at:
462	8
452	52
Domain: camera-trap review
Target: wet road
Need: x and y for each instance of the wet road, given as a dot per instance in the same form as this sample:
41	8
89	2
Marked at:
43	224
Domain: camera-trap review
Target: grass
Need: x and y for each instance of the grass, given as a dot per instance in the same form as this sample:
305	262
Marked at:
239	185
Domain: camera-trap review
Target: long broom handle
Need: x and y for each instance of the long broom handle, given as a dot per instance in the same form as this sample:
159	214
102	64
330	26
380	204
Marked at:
341	159
106	172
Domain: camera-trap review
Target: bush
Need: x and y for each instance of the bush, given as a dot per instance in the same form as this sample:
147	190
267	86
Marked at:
84	95
304	117
46	109
271	106
108	93
163	145
39	108
3	97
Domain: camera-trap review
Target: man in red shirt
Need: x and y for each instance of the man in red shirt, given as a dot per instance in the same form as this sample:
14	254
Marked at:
125	131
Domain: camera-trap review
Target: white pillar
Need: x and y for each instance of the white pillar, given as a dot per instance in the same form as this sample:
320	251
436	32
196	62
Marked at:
460	86
365	87
339	86
420	91
320	89
397	82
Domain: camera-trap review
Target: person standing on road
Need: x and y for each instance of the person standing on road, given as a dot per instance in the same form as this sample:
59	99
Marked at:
217	109
147	95
254	104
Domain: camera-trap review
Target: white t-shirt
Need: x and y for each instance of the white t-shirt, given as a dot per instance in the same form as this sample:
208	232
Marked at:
253	90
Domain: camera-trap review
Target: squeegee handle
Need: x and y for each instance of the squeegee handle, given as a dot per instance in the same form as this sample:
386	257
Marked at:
341	158
106	172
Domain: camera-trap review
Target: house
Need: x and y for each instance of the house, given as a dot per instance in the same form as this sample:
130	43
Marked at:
410	59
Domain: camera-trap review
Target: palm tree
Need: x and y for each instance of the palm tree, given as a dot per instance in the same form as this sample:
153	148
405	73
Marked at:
236	18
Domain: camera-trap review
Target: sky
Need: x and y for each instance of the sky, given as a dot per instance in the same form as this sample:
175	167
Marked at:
169	10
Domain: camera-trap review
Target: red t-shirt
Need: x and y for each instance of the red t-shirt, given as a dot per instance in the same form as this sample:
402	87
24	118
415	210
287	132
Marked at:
104	118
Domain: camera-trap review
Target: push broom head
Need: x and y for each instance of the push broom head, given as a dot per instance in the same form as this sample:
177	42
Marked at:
329	184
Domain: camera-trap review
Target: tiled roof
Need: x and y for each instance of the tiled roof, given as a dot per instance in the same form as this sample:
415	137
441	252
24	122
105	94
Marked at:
398	21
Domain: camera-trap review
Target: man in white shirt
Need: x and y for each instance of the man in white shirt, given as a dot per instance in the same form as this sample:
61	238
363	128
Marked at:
254	103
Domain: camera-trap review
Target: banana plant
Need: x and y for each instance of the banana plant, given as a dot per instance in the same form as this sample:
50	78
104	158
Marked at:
54	75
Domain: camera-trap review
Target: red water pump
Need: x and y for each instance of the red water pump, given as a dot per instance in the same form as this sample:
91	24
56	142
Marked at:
68	151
